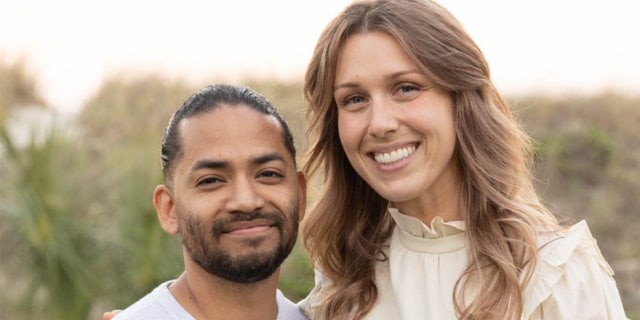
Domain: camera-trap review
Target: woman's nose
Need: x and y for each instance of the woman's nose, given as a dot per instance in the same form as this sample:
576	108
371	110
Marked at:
383	119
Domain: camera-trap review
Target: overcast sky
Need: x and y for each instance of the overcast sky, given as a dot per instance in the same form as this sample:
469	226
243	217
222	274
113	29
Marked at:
553	46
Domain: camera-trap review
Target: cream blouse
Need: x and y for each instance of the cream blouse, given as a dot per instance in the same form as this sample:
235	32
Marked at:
571	280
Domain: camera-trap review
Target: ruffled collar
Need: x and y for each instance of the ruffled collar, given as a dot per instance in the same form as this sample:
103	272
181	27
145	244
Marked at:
438	228
439	237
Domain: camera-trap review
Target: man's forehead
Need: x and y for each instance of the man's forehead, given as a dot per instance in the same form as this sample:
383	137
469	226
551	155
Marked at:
231	131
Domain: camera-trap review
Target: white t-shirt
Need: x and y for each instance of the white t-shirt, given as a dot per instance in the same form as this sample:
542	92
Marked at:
571	279
160	304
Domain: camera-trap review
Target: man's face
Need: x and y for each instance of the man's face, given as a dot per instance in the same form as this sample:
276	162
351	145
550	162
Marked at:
236	193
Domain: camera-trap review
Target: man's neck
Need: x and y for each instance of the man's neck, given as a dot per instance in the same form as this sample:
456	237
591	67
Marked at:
208	297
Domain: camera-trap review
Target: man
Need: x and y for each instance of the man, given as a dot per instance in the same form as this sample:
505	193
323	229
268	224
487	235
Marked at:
232	192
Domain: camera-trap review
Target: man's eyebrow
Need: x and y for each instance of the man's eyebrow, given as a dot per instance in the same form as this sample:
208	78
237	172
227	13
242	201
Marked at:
220	164
273	156
209	164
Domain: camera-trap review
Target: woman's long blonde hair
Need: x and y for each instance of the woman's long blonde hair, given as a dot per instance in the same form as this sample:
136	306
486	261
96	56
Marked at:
348	227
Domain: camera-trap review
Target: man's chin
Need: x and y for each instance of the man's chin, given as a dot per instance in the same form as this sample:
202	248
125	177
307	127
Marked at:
248	268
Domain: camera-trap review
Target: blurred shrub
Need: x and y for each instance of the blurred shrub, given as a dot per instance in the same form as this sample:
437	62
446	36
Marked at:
43	248
17	87
588	156
46	247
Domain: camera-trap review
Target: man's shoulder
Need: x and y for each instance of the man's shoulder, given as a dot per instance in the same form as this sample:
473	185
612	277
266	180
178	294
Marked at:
158	304
287	310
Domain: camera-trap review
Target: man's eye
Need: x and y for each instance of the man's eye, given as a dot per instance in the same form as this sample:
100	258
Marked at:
208	181
271	174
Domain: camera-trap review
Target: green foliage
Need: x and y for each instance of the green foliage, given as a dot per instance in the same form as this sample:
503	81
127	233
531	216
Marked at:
296	276
578	151
42	245
42	230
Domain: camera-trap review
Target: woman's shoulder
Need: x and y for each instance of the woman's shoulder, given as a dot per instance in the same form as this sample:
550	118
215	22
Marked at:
562	247
570	269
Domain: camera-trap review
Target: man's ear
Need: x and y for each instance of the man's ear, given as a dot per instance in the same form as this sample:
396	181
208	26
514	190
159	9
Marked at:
165	208
302	194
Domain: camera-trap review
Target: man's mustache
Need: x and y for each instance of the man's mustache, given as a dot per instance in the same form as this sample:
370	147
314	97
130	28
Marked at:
220	225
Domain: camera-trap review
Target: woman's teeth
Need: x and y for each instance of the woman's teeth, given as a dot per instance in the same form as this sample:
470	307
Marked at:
393	156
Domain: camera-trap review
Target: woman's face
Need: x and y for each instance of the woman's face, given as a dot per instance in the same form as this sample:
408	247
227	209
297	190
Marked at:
396	126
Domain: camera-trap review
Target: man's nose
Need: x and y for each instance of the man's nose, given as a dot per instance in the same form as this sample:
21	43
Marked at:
244	197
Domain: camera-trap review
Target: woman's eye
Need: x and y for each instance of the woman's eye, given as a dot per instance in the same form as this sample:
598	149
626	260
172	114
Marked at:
356	99
353	103
351	100
407	88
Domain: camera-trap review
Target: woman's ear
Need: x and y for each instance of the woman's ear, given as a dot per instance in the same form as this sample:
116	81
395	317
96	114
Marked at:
165	208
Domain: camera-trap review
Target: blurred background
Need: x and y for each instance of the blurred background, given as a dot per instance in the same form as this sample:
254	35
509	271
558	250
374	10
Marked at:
87	87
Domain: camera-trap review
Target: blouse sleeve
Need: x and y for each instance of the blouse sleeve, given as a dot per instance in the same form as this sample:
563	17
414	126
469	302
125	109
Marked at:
572	280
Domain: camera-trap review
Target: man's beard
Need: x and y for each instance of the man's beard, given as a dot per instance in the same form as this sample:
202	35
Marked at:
203	246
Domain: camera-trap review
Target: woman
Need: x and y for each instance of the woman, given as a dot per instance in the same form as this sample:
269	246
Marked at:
428	210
